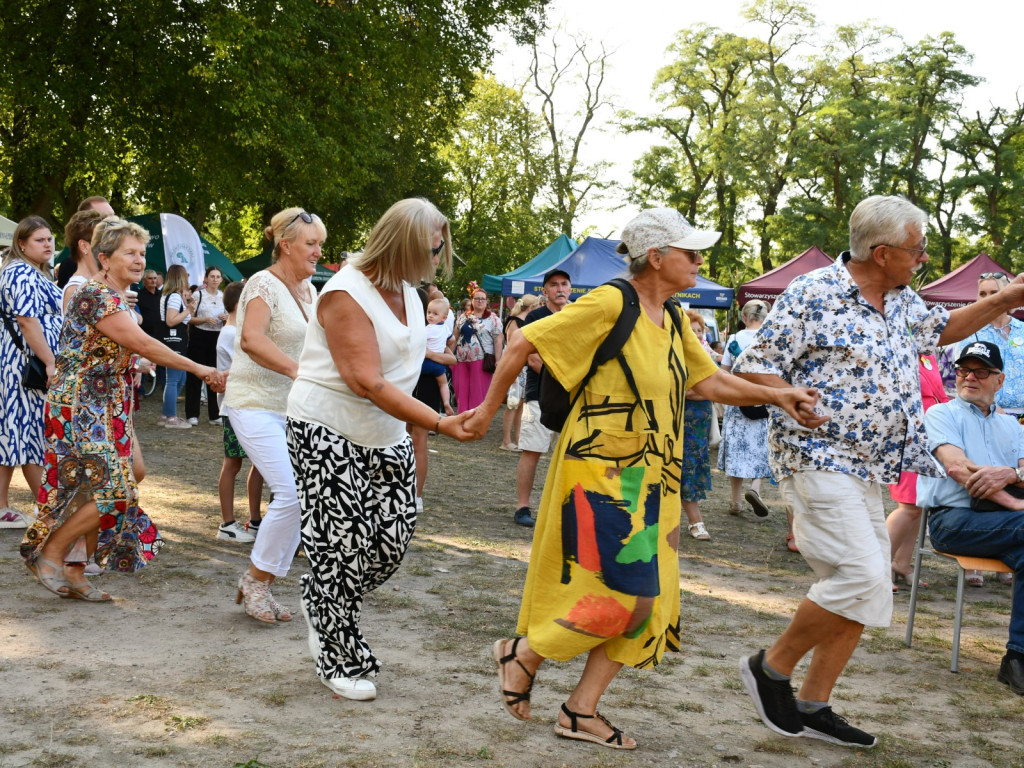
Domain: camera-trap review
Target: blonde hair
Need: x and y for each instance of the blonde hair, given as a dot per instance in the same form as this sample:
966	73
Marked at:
287	225
528	301
25	229
111	232
399	246
176	280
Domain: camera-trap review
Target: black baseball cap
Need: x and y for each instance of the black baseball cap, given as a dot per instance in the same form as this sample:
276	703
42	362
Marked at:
556	273
985	351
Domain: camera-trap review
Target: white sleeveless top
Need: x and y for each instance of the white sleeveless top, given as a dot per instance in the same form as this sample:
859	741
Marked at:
250	385
320	395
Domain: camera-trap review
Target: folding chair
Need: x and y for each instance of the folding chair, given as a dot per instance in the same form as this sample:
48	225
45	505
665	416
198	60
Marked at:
964	563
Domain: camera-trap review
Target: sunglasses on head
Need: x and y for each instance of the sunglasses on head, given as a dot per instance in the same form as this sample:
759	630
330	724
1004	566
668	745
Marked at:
307	218
991	275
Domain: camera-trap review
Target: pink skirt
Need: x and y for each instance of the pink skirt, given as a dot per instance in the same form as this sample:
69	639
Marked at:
905	491
470	383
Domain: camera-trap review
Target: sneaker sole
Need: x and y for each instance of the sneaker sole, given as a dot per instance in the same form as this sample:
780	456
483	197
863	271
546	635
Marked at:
351	695
221	536
13	524
810	733
755	502
750	683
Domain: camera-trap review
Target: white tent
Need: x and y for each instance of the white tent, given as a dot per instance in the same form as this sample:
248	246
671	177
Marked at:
7	228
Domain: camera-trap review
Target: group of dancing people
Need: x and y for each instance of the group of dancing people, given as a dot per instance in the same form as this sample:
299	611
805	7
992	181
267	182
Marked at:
329	399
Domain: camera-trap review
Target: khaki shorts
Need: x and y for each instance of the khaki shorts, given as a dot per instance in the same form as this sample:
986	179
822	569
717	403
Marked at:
839	525
534	436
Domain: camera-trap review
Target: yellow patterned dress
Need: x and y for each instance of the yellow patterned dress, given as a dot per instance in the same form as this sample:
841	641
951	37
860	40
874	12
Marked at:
89	432
604	566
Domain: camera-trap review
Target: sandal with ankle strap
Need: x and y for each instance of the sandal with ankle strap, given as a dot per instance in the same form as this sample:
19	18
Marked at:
573	732
88	592
53	580
510	698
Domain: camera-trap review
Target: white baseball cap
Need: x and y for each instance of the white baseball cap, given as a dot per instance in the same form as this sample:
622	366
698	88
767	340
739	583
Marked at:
663	228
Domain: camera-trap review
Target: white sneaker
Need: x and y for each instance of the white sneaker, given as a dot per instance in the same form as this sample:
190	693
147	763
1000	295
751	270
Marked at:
419	505
175	423
193	421
355	688
12	518
234	532
216	422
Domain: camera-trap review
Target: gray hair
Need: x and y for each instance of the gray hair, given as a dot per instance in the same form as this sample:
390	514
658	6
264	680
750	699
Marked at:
639	264
753	311
882	220
108	235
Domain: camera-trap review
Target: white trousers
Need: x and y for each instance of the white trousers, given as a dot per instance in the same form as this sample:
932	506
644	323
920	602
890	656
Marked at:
262	435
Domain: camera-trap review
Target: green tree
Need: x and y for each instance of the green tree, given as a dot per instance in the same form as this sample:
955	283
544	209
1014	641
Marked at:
497	172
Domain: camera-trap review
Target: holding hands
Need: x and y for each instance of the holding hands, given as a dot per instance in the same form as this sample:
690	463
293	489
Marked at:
215	379
455	426
799	402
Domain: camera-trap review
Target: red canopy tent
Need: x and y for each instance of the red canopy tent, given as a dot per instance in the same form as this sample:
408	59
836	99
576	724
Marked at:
960	287
769	285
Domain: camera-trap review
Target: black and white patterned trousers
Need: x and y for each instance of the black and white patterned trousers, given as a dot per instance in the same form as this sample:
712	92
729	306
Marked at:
358	516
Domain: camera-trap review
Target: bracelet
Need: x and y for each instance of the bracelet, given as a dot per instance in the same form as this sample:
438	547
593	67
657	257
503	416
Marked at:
437	427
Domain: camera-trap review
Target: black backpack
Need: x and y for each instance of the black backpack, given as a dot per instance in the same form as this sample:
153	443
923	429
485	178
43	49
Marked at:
554	400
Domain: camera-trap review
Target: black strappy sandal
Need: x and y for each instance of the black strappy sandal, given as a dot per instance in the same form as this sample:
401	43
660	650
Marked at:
510	698
573	732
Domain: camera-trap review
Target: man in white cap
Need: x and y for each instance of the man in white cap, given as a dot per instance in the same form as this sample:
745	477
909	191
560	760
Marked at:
853	331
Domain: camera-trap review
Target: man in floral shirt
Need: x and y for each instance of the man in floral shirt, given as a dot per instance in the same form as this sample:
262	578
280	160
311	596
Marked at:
853	331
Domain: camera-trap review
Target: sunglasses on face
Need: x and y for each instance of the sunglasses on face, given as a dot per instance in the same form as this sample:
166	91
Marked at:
436	251
979	373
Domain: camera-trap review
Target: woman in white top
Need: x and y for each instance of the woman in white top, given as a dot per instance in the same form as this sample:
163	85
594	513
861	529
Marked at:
352	456
175	312
272	314
203	330
743	452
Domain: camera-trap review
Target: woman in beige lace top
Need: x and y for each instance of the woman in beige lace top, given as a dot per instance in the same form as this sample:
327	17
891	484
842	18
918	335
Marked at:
272	315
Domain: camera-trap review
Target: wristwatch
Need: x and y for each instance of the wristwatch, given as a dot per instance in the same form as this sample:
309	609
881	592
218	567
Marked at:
1020	473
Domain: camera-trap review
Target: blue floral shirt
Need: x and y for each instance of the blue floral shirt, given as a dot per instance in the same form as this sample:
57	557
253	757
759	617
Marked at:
822	333
1011	396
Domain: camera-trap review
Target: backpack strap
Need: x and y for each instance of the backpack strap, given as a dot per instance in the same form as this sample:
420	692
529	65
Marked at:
617	336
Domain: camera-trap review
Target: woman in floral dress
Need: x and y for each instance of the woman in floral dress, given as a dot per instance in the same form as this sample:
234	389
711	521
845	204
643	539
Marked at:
88	488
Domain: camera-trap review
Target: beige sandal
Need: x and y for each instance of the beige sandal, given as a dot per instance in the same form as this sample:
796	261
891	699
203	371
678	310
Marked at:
573	732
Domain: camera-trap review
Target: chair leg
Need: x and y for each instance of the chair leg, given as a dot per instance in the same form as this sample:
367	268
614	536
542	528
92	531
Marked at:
918	557
957	619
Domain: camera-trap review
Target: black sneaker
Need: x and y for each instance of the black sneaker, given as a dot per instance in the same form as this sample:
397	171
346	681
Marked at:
522	517
754	500
773	699
828	726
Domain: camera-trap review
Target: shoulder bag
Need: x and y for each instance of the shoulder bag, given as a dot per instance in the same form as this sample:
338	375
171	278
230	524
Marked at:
34	374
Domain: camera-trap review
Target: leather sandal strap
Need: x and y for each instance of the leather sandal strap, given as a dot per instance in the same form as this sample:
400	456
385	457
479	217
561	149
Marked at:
573	716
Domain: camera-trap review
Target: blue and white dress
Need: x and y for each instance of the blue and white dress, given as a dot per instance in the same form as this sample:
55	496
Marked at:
24	292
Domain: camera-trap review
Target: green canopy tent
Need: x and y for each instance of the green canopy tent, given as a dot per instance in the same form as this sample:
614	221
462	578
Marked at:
262	260
561	247
155	258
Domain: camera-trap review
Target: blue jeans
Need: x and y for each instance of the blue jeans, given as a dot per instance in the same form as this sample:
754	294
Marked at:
963	531
172	388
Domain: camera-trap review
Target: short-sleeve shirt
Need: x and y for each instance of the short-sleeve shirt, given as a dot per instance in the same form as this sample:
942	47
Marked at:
988	439
822	333
532	377
1011	394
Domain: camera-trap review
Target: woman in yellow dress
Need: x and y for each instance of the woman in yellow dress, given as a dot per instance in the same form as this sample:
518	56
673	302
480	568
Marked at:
603	577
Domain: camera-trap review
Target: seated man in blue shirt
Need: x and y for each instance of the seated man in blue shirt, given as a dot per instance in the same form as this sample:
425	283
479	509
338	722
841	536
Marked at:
976	510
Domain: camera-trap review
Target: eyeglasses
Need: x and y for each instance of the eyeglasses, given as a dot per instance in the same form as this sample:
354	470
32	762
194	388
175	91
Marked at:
922	249
979	373
307	218
991	275
436	251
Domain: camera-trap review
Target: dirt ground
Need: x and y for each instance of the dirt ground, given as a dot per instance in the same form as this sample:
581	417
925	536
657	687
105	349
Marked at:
174	674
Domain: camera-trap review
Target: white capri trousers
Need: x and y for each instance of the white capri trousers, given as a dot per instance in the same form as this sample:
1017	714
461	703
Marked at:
262	435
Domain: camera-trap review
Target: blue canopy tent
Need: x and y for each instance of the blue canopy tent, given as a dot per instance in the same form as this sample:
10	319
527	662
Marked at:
596	262
561	247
